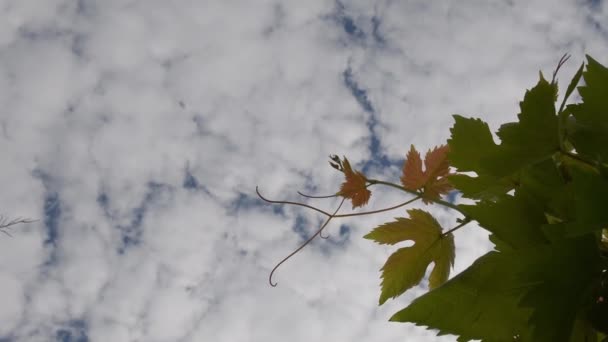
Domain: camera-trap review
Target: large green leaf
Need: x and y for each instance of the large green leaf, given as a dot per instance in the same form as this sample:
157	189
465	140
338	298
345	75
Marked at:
479	303
541	193
583	205
481	187
589	131
582	331
590	192
534	138
558	277
471	142
548	188
406	267
515	220
534	293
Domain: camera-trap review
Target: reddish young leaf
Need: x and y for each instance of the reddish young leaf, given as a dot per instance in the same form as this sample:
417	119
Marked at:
413	177
436	162
433	180
354	188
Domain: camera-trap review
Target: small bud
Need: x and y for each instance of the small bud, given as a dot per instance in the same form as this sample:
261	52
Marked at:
337	163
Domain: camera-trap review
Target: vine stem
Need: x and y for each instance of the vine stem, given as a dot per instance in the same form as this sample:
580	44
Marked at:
462	224
337	216
437	201
579	158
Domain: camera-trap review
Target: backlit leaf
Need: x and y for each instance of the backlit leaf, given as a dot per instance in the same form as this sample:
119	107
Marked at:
479	303
433	181
354	188
413	176
406	267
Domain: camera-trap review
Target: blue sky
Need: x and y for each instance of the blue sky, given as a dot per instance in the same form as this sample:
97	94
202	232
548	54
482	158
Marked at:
136	132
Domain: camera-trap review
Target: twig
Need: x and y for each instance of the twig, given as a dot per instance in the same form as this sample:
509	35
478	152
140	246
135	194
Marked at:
6	224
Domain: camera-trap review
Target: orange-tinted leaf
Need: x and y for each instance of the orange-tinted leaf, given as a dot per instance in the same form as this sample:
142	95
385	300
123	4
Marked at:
354	188
436	189
432	182
413	177
436	162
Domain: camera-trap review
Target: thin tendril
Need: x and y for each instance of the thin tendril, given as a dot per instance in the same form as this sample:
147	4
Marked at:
257	191
336	216
324	237
311	196
317	197
561	62
304	244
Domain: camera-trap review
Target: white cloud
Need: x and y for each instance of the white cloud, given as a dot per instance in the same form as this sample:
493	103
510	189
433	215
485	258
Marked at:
108	106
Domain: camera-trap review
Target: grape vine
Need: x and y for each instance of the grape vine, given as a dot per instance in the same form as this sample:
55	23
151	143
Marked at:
540	193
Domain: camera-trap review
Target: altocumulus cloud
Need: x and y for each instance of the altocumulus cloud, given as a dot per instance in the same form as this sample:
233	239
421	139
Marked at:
136	131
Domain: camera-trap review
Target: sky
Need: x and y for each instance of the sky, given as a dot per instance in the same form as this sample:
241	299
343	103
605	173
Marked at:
135	132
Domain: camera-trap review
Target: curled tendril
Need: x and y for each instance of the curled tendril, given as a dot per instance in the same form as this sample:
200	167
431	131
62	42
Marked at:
329	217
312	196
304	244
561	62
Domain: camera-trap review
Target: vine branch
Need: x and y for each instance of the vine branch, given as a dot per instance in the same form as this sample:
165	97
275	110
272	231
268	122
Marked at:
464	222
437	201
578	158
337	216
6	224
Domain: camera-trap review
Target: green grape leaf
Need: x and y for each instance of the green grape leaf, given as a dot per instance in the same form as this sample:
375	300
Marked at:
588	133
532	139
406	267
544	182
582	331
470	143
481	187
587	200
514	220
558	277
533	293
479	303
